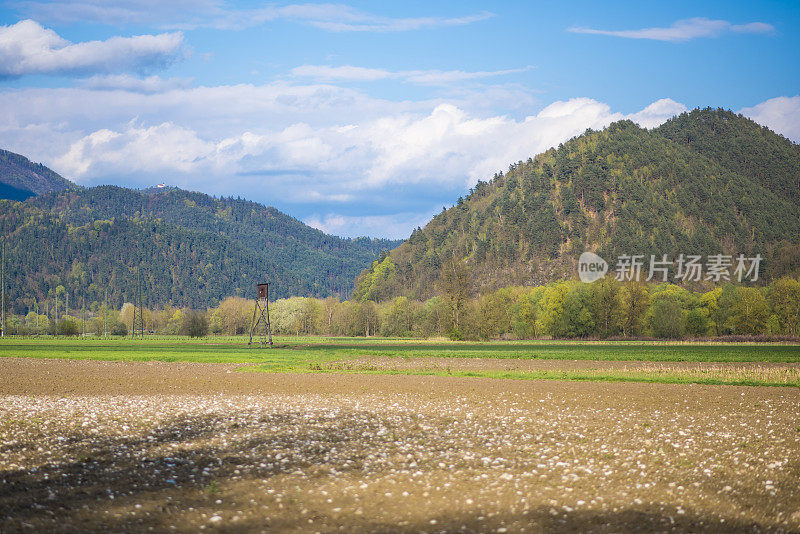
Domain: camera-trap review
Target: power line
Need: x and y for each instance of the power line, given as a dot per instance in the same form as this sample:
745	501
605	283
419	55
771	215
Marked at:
3	293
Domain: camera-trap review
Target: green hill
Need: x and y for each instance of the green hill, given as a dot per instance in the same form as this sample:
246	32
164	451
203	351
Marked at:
19	173
706	182
192	249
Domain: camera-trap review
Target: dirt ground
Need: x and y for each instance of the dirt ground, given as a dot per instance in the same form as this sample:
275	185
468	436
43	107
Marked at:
513	364
181	447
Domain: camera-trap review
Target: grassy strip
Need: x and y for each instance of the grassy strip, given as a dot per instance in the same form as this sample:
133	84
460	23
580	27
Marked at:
303	355
302	349
792	380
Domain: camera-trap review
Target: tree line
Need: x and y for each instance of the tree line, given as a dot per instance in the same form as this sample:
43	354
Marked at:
566	309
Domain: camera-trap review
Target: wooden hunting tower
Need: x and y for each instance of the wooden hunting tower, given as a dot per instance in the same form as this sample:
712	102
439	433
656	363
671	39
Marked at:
261	316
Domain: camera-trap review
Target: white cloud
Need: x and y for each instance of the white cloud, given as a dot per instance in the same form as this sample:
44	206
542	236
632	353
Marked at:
780	114
658	112
395	226
445	145
318	145
356	21
28	48
683	30
191	14
126	82
349	73
155	149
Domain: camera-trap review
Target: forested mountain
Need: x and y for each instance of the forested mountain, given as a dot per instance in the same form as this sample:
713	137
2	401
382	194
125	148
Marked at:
191	249
706	182
18	173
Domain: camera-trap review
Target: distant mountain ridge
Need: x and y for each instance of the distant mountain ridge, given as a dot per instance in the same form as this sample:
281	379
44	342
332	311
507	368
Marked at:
191	249
20	173
705	182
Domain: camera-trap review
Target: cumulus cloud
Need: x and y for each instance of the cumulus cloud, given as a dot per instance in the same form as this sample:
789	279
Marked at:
658	112
780	114
155	149
191	14
683	30
447	145
395	226
28	48
338	156
349	73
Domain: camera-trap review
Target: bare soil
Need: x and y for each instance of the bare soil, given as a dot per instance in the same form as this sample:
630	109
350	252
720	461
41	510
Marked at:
182	447
512	364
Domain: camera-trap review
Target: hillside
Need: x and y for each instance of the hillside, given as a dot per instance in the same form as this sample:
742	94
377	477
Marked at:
192	249
20	174
706	182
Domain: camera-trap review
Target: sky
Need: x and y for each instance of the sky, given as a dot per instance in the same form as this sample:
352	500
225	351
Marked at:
366	118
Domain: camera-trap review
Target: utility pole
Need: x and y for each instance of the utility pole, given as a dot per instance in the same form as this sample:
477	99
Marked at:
105	314
138	305
135	305
133	325
141	299
3	293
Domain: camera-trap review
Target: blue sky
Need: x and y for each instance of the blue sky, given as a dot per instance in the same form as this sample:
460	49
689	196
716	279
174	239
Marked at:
365	118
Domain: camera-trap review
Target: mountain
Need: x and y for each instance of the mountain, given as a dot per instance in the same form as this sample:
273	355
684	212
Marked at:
705	182
18	173
189	248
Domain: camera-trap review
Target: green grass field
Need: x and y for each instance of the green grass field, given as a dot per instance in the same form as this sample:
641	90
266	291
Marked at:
308	354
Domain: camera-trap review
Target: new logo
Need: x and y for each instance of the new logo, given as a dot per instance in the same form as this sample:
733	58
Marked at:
591	267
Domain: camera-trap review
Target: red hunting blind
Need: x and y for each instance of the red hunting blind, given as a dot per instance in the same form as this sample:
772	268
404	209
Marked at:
261	316
263	291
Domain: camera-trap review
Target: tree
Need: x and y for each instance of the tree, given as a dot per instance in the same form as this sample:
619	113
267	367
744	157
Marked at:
551	308
750	312
310	316
343	320
606	306
576	318
710	304
195	324
524	313
68	327
432	318
455	286
126	314
367	318
328	309
666	318
398	318
697	322
634	302
784	296
285	315
727	302
232	316
377	283
118	328
174	322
